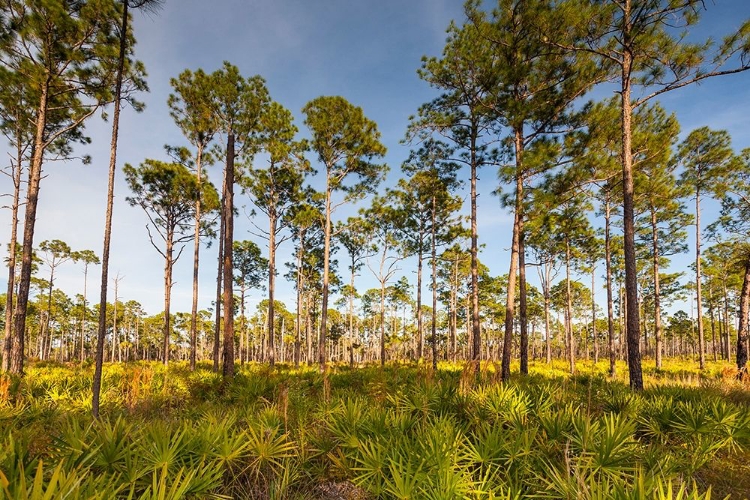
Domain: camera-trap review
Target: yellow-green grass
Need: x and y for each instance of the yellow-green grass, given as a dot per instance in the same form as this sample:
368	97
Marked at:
396	432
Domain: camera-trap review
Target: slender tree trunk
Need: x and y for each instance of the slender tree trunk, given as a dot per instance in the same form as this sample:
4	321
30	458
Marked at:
196	259
510	301
167	296
10	297
742	331
610	300
522	309
454	310
227	268
244	350
433	322
713	326
32	199
102	328
308	329
114	321
726	320
593	313
631	277
475	333
219	280
547	329
382	313
271	288
298	325
420	333
83	313
699	303
326	269
657	290
48	334
351	315
569	311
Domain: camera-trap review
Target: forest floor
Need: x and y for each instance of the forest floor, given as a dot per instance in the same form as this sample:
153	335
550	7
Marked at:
395	432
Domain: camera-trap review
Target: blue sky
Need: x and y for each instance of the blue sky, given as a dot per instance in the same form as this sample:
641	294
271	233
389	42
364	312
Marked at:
367	52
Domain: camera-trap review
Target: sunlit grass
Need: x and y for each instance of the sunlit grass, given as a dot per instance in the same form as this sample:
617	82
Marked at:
400	431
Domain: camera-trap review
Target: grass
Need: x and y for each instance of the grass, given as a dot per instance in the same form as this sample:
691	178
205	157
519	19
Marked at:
400	432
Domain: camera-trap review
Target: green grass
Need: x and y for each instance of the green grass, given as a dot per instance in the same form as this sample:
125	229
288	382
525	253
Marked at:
401	432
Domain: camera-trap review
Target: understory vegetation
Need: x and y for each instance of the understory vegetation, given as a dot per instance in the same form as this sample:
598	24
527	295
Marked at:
397	432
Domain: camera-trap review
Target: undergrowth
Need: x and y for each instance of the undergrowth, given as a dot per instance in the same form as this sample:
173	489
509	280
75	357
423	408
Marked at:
399	432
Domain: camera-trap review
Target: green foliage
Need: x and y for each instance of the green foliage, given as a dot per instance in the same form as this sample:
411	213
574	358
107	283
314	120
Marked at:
392	432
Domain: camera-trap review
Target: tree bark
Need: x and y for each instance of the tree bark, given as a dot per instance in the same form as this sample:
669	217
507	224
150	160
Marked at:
454	310
219	280
593	314
83	313
47	339
167	296
657	290
351	316
569	311
510	302
742	331
631	277
433	323
322	358
227	268
102	328
9	297
699	303
475	333
298	325
32	199
726	320
272	288
196	260
610	300
522	309
420	333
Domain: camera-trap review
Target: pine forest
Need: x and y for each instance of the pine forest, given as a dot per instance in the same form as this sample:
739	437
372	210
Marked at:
375	250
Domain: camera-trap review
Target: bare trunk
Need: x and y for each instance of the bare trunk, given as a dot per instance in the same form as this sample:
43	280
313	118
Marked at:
83	313
271	288
308	329
326	269
196	259
610	301
631	278
454	310
227	268
102	328
219	279
522	310
712	316
9	297
298	325
699	303
420	333
510	301
593	314
48	334
547	329
657	290
433	323
569	312
475	333
32	198
167	296
726	320
351	316
742	331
